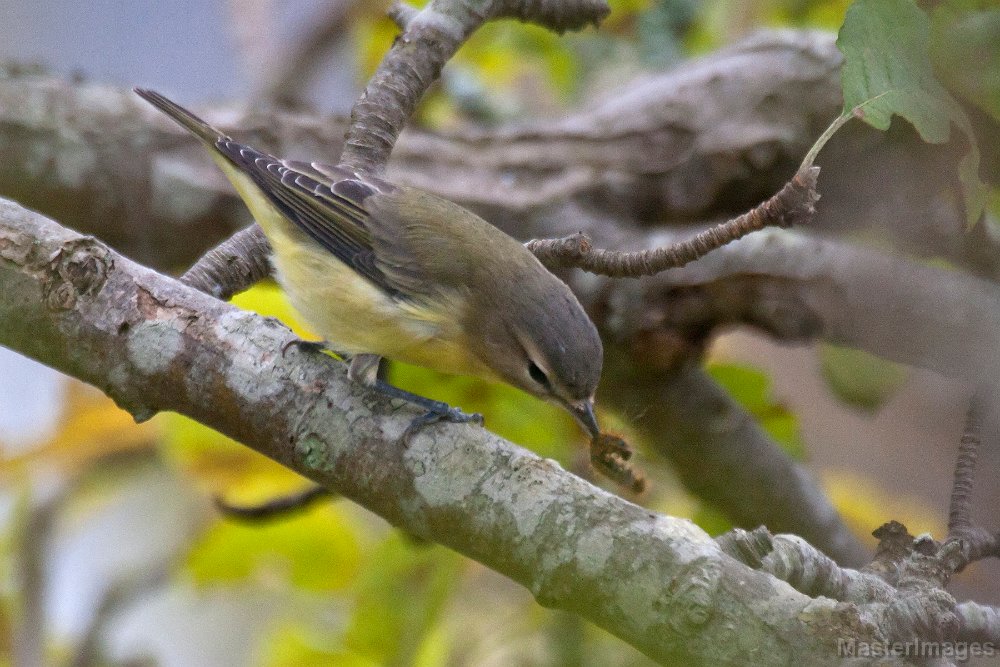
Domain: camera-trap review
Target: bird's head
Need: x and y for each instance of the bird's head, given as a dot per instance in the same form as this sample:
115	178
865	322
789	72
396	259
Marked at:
545	344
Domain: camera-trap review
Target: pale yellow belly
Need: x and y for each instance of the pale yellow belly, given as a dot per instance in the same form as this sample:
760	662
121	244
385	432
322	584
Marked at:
355	316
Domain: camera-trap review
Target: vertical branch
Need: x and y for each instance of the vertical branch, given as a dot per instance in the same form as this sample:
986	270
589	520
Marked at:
960	508
430	38
414	62
976	541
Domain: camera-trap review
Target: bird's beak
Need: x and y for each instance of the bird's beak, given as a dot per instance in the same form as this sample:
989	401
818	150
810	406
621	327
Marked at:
584	413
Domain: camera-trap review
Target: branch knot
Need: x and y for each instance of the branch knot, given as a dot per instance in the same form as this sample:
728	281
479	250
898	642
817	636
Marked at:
79	268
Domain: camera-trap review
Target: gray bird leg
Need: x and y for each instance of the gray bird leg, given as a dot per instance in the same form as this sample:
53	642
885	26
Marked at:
364	368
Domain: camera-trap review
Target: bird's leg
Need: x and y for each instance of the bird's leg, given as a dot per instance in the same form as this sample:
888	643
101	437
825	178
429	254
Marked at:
316	346
364	369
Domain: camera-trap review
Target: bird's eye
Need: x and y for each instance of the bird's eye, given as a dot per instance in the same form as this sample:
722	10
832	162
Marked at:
537	374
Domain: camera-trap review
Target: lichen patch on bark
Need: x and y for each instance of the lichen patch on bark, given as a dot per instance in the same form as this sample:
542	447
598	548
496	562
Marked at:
153	346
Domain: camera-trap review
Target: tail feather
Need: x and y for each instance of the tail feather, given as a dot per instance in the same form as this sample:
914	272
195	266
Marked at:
182	116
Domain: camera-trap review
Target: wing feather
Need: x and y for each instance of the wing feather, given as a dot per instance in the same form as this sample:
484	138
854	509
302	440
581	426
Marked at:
325	202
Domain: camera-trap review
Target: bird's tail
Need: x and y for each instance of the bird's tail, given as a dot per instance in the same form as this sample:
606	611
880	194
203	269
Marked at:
182	116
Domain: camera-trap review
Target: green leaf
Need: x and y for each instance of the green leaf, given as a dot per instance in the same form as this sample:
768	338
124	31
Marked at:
751	388
887	70
858	378
316	551
400	596
965	48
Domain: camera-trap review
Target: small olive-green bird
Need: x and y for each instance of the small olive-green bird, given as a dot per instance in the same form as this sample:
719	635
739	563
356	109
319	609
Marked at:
381	270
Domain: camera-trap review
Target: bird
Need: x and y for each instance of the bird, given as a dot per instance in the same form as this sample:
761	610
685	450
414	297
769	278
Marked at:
387	271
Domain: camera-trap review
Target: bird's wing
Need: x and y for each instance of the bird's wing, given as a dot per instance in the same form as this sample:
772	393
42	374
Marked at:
325	202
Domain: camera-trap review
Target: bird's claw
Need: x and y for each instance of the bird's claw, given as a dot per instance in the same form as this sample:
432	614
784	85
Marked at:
441	412
307	346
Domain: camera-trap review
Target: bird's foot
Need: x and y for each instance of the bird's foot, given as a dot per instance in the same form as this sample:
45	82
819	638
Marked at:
437	412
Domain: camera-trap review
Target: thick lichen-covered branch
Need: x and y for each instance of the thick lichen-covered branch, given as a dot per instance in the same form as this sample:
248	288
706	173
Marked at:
153	344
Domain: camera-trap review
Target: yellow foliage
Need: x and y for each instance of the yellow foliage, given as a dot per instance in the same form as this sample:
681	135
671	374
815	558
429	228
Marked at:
290	645
866	505
220	465
267	299
317	551
91	426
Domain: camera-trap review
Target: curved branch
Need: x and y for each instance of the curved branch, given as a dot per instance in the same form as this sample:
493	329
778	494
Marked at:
907	598
232	266
430	38
799	288
810	571
794	204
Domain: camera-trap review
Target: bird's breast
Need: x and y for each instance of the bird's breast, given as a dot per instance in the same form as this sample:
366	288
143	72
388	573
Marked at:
355	316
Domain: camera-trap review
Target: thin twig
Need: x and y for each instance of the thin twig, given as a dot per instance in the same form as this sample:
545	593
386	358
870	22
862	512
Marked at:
793	204
277	508
976	542
960	507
